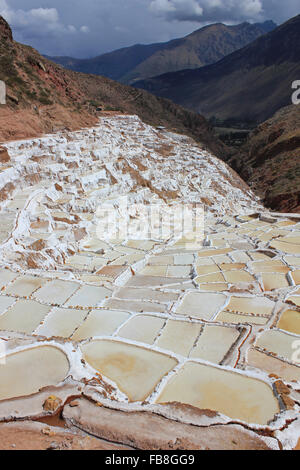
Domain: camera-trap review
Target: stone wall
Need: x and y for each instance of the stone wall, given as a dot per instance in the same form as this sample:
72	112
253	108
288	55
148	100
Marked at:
2	92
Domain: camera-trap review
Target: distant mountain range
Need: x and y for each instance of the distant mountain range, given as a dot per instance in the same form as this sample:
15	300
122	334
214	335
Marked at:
44	97
247	87
204	46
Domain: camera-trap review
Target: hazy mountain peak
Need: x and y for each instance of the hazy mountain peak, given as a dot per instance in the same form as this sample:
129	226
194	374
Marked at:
246	87
202	47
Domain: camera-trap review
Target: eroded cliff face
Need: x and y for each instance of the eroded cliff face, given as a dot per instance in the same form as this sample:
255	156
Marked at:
177	341
270	160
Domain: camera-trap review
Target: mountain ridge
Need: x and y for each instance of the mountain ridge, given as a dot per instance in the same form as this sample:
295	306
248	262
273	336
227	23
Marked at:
262	73
204	46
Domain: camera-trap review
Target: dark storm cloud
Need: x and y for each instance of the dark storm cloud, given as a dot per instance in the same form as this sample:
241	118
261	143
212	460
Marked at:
90	27
224	10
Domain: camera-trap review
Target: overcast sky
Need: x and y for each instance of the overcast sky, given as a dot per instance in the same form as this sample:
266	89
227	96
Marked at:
85	28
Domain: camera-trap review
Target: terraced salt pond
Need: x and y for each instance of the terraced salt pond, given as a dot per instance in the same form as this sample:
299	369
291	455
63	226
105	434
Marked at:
27	371
207	319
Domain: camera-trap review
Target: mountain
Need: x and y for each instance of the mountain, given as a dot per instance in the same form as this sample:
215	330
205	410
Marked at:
204	46
44	97
247	87
270	160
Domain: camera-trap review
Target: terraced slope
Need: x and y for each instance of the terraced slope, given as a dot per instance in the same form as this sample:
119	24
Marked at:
174	340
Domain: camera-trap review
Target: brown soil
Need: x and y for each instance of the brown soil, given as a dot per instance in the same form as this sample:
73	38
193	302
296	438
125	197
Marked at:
37	436
27	123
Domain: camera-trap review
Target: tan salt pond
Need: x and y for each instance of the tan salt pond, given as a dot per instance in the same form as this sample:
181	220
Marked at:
221	259
161	260
205	262
56	292
179	336
88	297
234	395
150	294
154	271
215	252
28	371
6	277
183	259
214	343
271	266
211	278
234	277
228	317
100	323
293	260
272	365
290	248
135	370
278	343
251	305
290	321
61	322
208	269
24	286
201	305
24	316
135	306
142	328
240	257
141	244
274	281
154	281
296	277
232	266
179	271
213	287
5	303
294	300
128	260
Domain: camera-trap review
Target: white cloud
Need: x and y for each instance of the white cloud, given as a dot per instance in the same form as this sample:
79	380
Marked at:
207	10
85	29
36	21
47	24
177	9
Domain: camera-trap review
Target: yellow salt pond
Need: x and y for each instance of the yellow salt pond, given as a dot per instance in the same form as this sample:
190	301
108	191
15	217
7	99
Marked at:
234	395
26	372
135	370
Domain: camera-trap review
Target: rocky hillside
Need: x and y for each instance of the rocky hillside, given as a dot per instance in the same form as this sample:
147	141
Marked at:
204	46
44	97
270	160
246	87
